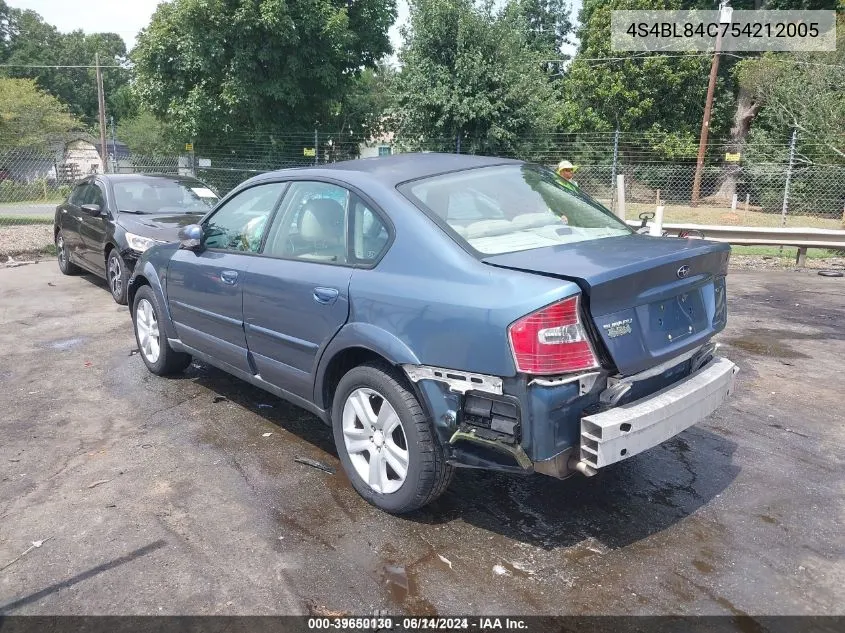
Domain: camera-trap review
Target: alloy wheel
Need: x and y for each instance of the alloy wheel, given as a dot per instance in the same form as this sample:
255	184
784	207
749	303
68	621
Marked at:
375	440
146	326
60	251
115	276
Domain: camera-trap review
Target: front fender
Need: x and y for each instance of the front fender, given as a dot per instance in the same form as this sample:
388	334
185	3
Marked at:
362	335
146	274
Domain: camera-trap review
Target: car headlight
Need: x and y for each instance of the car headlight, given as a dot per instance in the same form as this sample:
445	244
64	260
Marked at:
140	244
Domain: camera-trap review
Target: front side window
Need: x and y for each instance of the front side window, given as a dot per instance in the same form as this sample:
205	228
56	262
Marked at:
510	208
239	224
94	195
77	196
311	224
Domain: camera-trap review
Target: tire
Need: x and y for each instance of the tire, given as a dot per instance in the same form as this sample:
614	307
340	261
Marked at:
362	393
63	257
117	276
154	349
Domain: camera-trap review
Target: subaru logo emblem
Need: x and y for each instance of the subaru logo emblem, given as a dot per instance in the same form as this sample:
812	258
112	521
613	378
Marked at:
683	272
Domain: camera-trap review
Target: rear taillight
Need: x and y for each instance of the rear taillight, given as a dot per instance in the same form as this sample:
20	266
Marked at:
552	340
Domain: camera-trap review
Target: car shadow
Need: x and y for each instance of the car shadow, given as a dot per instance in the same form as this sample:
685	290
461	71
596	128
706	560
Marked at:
622	504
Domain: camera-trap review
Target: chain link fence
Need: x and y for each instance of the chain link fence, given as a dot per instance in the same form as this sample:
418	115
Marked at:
788	191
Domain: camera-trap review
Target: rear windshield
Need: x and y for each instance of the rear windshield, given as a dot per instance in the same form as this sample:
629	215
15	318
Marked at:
162	195
511	208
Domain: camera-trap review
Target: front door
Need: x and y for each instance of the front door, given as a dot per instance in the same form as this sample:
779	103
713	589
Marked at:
296	297
205	288
92	229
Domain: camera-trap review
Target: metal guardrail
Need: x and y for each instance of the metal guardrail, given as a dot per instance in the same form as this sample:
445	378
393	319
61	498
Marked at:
764	236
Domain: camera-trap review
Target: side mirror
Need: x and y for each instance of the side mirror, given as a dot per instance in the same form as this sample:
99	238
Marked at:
190	237
92	209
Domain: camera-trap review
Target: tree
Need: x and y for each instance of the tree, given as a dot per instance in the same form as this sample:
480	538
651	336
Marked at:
547	28
659	95
215	67
32	42
29	117
147	136
469	81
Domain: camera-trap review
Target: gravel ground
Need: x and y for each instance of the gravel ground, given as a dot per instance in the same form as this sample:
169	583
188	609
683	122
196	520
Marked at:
28	238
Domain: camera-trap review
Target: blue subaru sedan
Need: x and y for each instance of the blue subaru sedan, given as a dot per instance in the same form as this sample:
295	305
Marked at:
441	311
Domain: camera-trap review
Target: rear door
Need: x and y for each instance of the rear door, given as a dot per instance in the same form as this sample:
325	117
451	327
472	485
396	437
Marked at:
296	297
205	289
92	228
68	219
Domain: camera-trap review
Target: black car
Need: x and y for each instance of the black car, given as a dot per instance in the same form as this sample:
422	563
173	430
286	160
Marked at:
109	220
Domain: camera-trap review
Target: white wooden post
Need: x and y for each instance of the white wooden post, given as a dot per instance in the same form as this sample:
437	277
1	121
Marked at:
620	197
656	227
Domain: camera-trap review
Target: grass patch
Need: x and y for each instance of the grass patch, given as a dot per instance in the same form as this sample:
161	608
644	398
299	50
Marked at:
788	252
24	220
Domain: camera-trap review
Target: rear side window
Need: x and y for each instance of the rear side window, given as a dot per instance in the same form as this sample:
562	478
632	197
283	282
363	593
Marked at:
369	234
311	224
510	208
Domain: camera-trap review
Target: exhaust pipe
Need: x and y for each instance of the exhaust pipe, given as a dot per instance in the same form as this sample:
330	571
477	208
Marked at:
582	467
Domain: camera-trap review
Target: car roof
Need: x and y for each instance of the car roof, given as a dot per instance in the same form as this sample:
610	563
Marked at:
396	169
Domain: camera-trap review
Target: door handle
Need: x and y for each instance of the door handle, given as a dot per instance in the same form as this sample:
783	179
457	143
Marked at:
325	296
229	277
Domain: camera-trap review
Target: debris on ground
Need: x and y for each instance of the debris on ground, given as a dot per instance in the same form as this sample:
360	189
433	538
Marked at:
262	405
500	571
99	483
830	273
445	560
132	352
266	434
315	464
217	399
35	544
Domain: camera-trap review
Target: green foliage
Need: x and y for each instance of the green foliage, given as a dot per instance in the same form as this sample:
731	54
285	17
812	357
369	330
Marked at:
661	96
547	28
147	136
468	74
38	190
29	116
30	40
214	67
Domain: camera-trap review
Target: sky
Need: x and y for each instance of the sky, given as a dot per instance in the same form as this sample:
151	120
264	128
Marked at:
127	17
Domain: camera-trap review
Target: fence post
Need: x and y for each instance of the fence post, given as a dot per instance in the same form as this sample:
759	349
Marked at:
620	208
788	177
613	169
458	143
316	146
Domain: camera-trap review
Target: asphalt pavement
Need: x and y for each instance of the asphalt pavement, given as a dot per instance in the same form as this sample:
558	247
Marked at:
183	496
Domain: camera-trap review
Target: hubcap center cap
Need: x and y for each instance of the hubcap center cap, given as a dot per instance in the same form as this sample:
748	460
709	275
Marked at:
378	439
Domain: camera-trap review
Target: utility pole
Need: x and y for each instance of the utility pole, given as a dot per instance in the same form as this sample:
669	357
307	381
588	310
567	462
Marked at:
724	16
101	101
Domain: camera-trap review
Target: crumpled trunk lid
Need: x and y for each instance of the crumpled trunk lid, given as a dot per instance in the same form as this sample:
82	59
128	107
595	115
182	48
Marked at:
650	298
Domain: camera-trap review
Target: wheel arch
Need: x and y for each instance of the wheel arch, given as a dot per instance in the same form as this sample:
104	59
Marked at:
145	275
354	345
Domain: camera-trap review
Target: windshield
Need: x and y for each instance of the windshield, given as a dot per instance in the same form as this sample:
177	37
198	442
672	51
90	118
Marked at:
163	195
512	208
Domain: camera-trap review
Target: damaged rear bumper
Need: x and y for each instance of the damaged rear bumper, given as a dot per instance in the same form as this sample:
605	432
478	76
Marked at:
561	426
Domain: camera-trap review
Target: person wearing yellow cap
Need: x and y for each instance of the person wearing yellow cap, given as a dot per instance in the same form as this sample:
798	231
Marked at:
565	170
